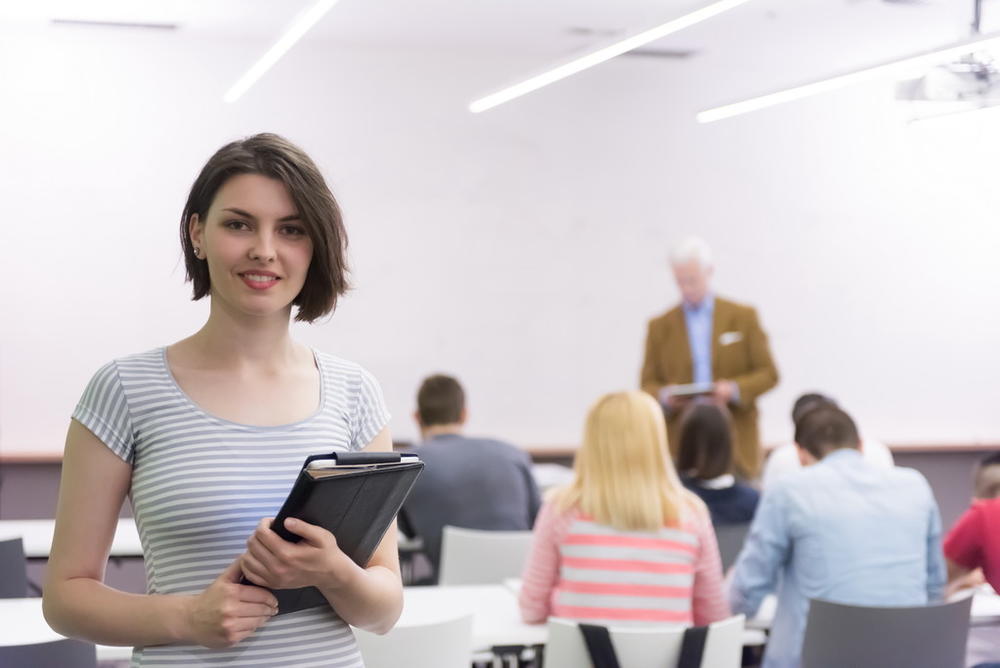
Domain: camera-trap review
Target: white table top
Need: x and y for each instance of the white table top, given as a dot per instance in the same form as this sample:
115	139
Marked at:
985	609
496	616
37	537
23	624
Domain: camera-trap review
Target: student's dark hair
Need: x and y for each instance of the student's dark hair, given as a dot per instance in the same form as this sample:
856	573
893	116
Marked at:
808	402
986	481
824	429
705	449
440	400
277	158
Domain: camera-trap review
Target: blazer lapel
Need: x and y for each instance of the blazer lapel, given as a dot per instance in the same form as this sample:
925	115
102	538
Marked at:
686	365
721	315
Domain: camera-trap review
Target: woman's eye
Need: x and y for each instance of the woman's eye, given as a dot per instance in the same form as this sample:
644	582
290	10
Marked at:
294	230
236	225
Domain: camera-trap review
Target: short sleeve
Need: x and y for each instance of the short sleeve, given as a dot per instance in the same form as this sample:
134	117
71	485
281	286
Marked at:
963	544
371	415
103	409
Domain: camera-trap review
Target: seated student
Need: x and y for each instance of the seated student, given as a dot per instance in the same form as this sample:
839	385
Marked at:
474	483
973	544
625	542
705	461
784	459
843	530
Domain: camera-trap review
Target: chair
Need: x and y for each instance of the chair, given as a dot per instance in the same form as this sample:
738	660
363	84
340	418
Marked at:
13	569
446	643
646	646
470	556
927	636
730	537
63	653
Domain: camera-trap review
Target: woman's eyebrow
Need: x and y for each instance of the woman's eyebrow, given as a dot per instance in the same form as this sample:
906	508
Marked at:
241	212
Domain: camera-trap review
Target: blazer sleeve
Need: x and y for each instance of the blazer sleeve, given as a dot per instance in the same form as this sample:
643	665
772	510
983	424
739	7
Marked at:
651	381
763	374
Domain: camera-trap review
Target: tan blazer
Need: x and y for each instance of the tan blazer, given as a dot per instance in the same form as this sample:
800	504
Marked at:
739	353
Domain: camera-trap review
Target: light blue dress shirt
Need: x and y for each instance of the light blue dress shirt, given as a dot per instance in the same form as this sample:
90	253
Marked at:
699	319
841	530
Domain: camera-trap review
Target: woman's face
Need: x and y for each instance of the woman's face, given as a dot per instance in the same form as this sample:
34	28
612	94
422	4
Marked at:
256	247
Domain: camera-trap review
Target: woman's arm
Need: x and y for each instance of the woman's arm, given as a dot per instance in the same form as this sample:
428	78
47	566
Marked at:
77	603
370	598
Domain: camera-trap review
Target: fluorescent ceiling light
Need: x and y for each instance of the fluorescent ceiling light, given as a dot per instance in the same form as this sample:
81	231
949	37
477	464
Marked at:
601	55
899	67
299	27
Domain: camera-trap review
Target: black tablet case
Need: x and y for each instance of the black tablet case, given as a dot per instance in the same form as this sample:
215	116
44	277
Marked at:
356	506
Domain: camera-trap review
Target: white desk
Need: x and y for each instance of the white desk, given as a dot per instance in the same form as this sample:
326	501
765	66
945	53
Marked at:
23	624
985	610
37	537
496	617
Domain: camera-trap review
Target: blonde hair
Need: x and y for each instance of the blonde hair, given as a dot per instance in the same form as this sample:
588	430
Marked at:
623	476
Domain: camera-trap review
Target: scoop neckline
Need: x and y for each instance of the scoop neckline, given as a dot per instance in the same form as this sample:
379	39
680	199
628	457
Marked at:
191	402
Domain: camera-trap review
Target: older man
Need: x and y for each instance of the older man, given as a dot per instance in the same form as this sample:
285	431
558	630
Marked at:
713	343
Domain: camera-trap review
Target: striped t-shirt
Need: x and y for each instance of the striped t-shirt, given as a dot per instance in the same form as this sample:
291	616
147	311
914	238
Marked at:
200	485
589	572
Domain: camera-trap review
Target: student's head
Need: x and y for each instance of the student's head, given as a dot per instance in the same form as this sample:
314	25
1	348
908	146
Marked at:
691	262
807	402
705	450
986	483
823	430
261	228
440	402
623	476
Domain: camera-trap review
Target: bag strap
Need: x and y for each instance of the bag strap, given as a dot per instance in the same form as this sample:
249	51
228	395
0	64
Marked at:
598	640
693	647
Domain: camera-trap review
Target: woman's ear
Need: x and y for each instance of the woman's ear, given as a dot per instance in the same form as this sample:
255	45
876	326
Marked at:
196	229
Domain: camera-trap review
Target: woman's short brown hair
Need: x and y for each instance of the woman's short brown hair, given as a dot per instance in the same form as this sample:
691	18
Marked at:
275	157
705	450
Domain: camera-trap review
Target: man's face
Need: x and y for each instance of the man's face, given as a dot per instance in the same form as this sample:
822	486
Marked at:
692	280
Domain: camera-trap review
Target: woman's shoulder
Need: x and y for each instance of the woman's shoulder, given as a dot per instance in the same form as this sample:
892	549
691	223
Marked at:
340	366
133	363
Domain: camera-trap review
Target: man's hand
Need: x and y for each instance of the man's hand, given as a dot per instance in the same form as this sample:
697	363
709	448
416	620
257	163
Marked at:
671	403
725	391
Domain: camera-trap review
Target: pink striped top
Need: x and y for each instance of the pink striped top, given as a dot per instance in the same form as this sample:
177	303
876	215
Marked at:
582	570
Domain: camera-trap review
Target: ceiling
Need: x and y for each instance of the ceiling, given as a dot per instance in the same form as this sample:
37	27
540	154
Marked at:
795	36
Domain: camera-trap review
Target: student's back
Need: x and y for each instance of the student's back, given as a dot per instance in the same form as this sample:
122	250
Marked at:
845	531
474	483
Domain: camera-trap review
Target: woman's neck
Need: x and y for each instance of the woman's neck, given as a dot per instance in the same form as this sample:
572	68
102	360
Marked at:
234	340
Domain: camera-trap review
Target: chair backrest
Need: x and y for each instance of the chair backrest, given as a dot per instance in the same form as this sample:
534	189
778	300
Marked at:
730	537
63	653
13	569
471	556
647	646
445	643
927	636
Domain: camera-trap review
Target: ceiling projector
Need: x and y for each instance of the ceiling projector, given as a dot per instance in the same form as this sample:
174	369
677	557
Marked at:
968	80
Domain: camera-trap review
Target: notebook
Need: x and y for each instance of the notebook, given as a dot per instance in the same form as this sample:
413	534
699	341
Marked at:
355	496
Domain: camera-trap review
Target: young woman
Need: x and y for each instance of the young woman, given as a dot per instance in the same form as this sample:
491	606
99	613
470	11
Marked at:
624	542
705	460
207	435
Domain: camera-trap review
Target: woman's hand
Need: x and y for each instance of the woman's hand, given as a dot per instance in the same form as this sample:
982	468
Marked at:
316	561
227	611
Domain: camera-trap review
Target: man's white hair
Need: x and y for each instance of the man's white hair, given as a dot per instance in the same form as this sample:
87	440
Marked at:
692	248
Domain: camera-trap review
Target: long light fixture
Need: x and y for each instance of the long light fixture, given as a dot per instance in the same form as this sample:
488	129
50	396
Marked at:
896	67
601	55
300	26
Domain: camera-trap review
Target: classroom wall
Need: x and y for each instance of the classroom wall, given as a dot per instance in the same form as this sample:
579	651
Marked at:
522	249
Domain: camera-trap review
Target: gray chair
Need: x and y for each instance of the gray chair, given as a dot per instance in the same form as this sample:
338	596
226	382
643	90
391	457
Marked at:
927	636
13	569
472	556
730	537
63	653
